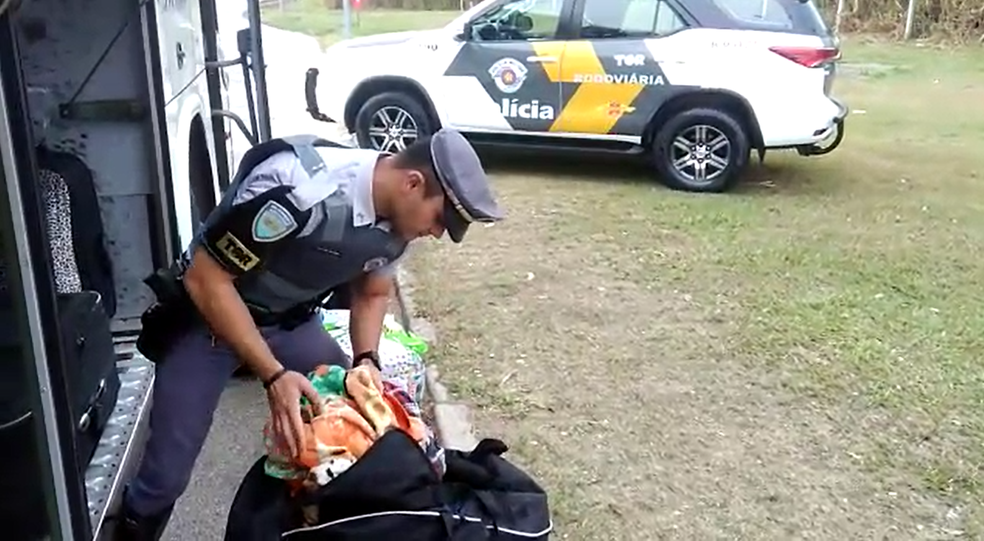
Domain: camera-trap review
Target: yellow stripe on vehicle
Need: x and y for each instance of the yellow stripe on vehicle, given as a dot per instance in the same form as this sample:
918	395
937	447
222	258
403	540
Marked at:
580	59
550	49
594	107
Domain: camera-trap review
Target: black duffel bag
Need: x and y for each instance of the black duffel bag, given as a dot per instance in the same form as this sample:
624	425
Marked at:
394	492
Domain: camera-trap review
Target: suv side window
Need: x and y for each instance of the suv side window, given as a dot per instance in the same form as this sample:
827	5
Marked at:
768	12
518	20
629	19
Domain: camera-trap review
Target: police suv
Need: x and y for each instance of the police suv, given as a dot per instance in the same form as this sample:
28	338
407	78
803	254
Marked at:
693	85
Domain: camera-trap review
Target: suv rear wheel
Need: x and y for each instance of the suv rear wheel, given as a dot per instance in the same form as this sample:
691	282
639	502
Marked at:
701	150
391	121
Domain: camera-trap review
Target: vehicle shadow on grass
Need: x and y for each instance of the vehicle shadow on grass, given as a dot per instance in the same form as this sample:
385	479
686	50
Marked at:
779	176
600	168
791	177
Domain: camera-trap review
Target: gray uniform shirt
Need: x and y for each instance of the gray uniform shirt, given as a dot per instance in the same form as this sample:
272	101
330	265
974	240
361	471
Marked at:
300	224
349	176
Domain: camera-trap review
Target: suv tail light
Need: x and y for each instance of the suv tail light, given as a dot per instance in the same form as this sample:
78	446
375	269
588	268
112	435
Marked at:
810	57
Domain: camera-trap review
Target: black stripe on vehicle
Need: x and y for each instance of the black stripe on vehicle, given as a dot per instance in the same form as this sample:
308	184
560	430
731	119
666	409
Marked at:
531	103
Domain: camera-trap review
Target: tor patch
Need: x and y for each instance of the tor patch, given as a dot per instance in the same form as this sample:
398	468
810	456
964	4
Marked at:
237	253
273	223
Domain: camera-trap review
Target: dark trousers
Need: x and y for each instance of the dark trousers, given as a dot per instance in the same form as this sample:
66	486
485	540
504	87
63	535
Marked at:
186	392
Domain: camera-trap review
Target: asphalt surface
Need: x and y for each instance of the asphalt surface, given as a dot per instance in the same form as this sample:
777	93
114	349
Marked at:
235	441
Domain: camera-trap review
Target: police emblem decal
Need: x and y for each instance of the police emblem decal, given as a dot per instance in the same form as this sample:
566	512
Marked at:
375	264
508	74
273	223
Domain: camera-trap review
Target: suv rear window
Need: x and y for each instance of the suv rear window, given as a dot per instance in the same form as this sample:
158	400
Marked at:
796	16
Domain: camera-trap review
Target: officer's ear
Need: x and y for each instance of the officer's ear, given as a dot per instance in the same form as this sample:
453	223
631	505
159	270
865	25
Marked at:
415	181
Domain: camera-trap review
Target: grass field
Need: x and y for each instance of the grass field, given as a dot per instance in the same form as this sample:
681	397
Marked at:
310	17
799	359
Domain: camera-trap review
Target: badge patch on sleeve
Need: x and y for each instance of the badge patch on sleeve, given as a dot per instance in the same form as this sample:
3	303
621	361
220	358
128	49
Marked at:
273	223
238	254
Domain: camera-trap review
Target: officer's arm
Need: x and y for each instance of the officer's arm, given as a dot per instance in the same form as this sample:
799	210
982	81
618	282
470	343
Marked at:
234	244
370	297
213	291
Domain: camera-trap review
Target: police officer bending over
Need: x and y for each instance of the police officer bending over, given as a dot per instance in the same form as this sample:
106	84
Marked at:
300	220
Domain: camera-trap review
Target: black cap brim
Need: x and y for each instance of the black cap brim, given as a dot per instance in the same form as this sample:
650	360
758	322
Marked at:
454	223
467	196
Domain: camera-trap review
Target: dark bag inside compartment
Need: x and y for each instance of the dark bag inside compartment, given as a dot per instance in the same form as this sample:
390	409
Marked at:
393	492
86	292
86	340
90	361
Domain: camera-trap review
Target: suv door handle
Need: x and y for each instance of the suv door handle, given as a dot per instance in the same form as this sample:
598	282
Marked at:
542	59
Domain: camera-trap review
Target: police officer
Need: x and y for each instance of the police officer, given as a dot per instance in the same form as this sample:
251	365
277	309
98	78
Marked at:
300	219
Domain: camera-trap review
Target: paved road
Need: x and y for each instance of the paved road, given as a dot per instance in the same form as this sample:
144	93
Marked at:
233	445
235	440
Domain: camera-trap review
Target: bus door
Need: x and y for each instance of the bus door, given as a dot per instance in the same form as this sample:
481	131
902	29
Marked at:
37	499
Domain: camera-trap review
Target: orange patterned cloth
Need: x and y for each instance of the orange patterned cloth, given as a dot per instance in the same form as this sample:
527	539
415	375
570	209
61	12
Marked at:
354	413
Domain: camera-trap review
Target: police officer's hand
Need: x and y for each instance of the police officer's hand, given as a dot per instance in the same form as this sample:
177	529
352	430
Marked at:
285	408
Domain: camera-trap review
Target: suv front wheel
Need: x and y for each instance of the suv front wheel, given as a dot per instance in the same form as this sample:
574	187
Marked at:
391	121
701	150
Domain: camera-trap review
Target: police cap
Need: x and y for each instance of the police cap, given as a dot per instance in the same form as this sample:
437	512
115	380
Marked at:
467	195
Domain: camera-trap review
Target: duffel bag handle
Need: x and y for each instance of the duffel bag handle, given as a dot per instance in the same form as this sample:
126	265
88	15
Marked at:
86	420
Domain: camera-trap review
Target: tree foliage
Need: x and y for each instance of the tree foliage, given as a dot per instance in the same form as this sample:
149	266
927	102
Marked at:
960	19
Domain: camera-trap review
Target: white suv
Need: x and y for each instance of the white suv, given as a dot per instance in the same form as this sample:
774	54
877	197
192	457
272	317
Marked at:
693	85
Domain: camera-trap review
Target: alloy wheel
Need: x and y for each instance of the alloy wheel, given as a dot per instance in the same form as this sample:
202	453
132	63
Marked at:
392	129
701	153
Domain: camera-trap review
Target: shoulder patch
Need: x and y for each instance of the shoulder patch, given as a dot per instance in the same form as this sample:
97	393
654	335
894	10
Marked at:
375	264
273	223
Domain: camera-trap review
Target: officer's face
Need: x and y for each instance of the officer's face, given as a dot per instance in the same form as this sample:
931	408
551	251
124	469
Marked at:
417	214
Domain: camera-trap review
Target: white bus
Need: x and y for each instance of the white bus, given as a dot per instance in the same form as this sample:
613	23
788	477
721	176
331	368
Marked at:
123	100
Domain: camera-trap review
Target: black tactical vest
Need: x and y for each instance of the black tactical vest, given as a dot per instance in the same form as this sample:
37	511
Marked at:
317	261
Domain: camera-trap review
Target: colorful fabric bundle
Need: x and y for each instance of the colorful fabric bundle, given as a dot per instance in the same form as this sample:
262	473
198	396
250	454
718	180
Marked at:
354	413
401	352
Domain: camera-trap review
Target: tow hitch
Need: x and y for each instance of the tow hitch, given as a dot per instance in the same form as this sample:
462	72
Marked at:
822	147
311	96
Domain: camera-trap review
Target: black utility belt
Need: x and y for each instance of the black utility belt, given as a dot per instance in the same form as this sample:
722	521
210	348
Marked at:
286	320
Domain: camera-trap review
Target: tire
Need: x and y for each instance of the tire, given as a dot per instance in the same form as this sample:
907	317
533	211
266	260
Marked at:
200	187
722	166
391	105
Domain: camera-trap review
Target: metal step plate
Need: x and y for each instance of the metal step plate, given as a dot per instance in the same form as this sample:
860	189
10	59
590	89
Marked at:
122	441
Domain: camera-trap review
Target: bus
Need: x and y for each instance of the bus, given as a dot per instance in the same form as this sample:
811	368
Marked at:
121	105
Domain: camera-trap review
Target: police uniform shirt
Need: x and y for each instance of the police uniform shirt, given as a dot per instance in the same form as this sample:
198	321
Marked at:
317	201
278	200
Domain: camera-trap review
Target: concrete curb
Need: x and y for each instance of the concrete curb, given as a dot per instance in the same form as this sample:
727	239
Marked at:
453	419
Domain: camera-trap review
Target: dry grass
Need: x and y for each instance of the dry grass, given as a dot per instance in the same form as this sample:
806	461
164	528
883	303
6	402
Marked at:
799	359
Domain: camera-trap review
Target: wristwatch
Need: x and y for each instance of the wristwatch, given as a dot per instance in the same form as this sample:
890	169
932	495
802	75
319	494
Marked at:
370	355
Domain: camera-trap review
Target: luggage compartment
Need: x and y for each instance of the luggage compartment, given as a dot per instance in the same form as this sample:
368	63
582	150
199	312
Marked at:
91	75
